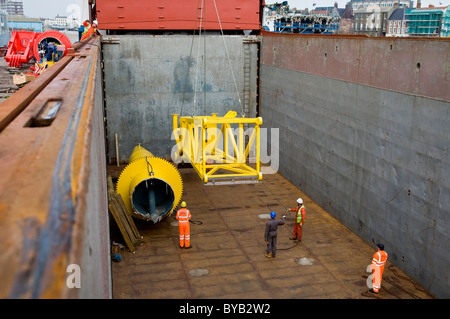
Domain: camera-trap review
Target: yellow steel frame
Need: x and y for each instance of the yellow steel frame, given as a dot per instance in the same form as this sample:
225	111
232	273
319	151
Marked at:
199	143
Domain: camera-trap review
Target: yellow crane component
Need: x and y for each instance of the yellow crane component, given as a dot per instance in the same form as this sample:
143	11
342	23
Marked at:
150	187
219	155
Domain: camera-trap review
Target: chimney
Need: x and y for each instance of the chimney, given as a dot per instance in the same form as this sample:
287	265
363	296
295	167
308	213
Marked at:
418	4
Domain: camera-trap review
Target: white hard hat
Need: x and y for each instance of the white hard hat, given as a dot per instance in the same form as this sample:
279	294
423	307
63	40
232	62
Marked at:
300	201
95	22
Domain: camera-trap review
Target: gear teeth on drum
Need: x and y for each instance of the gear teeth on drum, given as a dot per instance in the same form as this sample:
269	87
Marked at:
150	187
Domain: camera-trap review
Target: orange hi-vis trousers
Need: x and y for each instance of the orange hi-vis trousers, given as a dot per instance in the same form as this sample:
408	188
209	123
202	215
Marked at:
378	262
183	216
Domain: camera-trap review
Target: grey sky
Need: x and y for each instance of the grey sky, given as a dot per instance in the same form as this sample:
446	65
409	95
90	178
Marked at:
51	8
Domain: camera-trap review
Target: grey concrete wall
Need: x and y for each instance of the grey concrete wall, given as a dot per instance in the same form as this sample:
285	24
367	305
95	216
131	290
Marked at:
145	82
375	158
54	210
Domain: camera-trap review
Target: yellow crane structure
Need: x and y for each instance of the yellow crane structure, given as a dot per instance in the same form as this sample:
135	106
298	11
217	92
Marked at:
219	148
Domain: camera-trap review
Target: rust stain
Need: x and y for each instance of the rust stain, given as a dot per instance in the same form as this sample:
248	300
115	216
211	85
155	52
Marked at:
387	63
14	105
58	282
39	190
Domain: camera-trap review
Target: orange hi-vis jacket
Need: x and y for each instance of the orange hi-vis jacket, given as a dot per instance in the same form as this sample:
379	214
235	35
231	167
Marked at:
88	32
183	216
378	261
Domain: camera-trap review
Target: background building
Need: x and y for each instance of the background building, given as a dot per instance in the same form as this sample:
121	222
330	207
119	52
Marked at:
21	22
356	4
61	23
328	11
372	20
397	24
4	32
346	25
445	29
12	7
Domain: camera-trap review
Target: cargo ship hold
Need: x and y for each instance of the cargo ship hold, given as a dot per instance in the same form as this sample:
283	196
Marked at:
356	126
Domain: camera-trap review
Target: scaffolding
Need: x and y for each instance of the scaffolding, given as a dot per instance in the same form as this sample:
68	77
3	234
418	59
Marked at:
307	24
425	22
445	31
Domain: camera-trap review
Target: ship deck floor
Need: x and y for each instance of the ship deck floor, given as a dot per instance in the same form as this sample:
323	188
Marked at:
227	258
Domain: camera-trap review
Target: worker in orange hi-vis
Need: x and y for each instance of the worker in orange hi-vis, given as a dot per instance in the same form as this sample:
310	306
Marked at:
92	29
86	26
378	261
183	216
299	220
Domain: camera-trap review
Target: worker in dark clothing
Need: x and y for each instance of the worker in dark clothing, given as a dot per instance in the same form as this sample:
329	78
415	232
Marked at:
270	235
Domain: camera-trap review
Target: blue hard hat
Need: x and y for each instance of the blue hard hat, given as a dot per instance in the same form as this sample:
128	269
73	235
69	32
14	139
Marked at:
273	214
116	257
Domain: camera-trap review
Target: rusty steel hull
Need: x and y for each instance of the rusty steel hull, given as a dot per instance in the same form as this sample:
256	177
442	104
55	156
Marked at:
53	204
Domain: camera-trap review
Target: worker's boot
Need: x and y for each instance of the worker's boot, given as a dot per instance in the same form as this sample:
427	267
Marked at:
269	255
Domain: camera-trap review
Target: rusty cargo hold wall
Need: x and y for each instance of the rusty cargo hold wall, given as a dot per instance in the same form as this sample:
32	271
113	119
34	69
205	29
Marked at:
167	15
364	130
53	193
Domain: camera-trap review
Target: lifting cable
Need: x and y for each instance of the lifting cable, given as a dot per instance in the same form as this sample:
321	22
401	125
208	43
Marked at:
189	60
294	245
196	222
229	62
198	54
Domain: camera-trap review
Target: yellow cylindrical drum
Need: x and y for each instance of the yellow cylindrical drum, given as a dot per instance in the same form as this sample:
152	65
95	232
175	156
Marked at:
138	152
150	187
